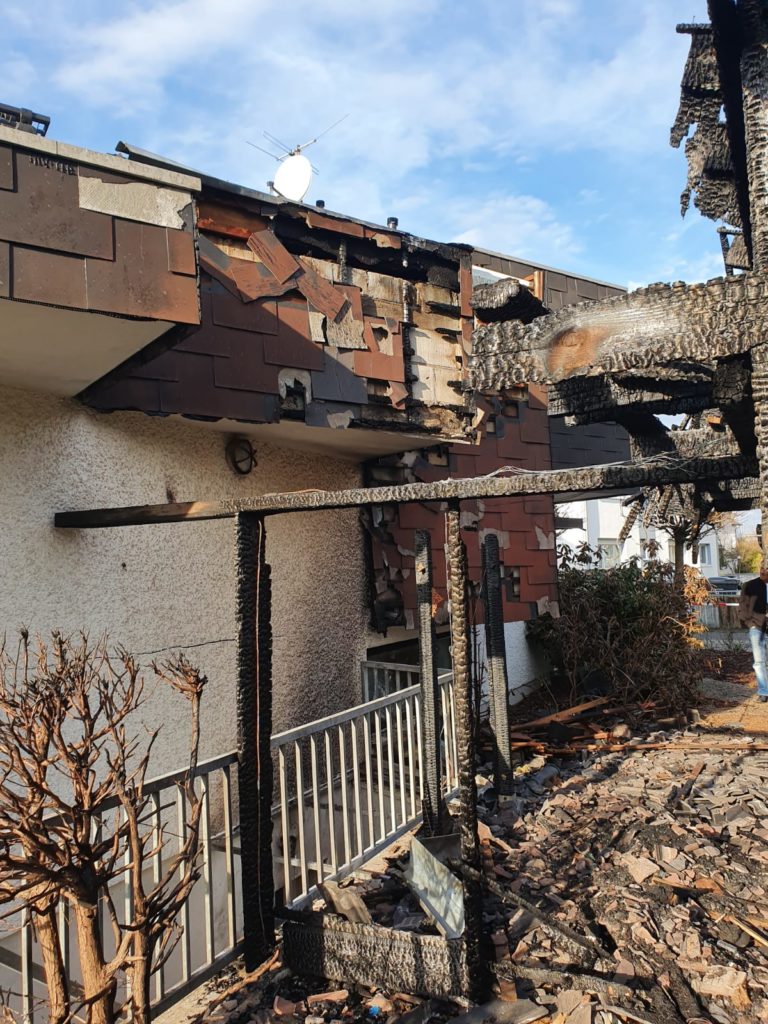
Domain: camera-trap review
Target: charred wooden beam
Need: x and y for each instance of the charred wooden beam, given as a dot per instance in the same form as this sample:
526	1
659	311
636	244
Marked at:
506	299
469	844
618	478
655	327
753	17
367	954
732	495
760	398
254	731
702	442
432	803
726	36
597	399
594	399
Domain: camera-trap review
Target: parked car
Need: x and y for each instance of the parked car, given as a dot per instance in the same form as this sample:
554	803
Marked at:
725	586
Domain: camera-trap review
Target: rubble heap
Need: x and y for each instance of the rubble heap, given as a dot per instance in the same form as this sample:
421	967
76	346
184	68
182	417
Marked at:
660	855
621	885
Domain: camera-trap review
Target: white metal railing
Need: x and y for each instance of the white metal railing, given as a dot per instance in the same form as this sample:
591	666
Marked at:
200	951
381	678
349	784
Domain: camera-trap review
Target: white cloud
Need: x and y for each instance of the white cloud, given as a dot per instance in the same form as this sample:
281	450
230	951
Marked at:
463	120
512	80
521	225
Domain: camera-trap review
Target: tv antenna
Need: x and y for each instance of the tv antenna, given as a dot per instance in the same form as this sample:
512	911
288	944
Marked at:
294	175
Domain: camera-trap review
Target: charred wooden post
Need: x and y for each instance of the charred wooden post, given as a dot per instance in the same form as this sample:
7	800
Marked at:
465	752
254	730
496	655
432	804
754	80
760	398
679	536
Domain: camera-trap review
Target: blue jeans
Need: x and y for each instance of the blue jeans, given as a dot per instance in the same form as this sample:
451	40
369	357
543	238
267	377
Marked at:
757	638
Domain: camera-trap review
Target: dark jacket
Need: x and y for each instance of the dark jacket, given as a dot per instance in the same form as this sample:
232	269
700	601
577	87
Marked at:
752	603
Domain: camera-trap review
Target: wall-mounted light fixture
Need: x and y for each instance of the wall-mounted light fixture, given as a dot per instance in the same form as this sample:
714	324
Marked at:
240	455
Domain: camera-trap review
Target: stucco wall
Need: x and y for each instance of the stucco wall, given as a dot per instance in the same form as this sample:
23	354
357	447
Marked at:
173	585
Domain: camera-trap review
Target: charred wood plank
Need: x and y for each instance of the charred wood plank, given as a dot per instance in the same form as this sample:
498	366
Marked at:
622	477
368	954
650	328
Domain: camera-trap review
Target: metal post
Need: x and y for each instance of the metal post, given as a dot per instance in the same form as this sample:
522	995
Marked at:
432	803
254	728
496	656
465	743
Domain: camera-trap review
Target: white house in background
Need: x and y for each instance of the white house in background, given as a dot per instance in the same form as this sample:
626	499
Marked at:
601	522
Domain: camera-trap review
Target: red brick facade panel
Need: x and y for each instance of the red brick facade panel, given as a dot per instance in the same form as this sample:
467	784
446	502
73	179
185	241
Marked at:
524	526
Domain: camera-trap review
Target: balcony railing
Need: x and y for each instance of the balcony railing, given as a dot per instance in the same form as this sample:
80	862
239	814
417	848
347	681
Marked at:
348	785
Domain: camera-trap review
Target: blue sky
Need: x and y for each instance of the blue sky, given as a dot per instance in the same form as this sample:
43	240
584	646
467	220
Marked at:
536	128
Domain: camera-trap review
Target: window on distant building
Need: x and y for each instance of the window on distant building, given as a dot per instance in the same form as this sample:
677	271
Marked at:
705	554
611	553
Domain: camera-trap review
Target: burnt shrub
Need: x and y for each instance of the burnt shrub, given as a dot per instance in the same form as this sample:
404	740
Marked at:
627	630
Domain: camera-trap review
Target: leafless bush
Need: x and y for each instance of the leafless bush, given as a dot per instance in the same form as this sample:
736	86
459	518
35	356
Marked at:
74	814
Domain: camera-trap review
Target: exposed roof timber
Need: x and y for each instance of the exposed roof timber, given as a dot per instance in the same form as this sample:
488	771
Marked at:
659	327
507	299
619	477
715	149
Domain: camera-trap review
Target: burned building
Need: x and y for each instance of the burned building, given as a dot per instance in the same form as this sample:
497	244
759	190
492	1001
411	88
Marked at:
149	316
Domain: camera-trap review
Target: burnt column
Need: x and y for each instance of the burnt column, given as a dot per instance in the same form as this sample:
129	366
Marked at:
254	729
496	656
432	804
760	398
679	534
753	17
754	79
465	749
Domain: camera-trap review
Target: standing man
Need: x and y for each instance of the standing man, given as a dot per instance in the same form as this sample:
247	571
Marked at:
753	607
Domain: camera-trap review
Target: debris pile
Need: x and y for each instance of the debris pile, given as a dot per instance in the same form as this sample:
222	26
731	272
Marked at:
659	856
622	885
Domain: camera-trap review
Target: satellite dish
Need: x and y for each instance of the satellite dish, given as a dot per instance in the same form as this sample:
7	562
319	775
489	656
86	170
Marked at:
293	177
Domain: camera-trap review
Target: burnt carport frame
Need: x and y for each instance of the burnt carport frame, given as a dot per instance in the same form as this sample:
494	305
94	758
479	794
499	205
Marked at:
254	641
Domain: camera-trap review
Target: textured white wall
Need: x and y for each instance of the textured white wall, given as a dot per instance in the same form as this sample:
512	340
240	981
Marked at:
524	662
153	587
